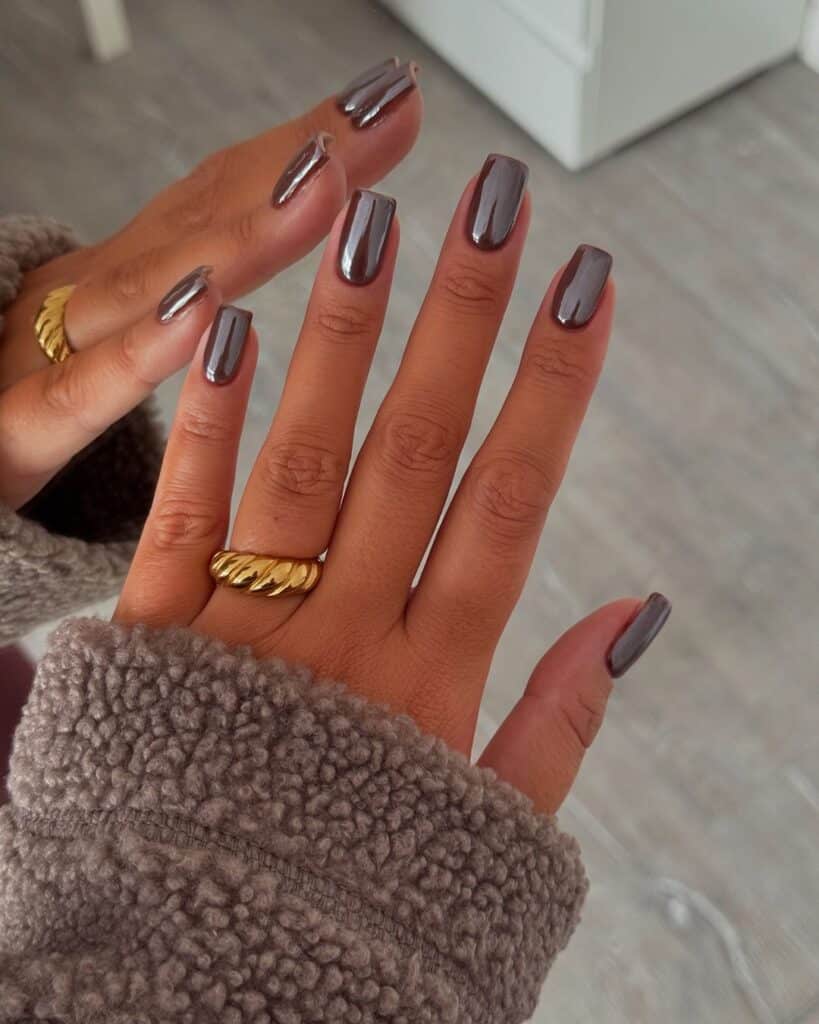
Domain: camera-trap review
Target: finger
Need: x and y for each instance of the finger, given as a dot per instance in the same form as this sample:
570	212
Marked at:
291	501
375	120
242	252
540	746
50	416
241	177
484	549
189	516
405	469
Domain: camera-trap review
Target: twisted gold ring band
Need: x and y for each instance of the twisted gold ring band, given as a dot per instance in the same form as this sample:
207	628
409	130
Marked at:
49	325
264	574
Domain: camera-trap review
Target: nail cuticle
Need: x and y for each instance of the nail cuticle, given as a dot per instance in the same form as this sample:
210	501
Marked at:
496	201
304	166
638	635
184	295
225	344
581	287
364	236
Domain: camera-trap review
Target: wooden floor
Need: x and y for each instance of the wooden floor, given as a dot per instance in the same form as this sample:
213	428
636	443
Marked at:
698	808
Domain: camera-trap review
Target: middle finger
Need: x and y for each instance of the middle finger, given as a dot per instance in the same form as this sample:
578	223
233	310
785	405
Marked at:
405	468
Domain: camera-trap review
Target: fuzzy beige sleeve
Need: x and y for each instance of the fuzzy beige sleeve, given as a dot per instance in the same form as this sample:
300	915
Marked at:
73	543
196	836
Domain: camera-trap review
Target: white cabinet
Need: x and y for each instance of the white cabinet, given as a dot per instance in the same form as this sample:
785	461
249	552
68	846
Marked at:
585	76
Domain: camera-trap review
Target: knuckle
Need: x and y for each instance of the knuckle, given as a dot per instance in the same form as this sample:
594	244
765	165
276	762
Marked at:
196	427
131	279
555	365
470	291
303	470
64	392
417	442
341	323
245	229
196	196
187	522
129	358
510	496
581	715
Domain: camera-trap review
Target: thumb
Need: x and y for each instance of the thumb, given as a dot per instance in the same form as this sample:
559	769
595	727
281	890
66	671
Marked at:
540	746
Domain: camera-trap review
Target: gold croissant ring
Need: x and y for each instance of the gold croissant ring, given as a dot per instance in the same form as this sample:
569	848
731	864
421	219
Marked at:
265	575
49	324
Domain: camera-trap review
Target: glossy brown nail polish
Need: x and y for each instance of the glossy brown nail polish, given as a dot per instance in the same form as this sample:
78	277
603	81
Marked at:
364	235
638	635
302	168
496	201
184	294
353	92
581	285
381	94
223	352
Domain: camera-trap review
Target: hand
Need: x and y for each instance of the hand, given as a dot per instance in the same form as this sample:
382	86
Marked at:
236	213
424	651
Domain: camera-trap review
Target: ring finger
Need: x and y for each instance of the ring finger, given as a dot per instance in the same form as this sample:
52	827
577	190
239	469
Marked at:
291	500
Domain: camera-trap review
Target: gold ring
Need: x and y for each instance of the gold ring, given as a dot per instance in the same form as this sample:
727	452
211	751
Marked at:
264	574
49	325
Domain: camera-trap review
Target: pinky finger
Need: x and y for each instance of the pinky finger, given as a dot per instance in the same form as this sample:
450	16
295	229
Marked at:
51	415
540	747
169	582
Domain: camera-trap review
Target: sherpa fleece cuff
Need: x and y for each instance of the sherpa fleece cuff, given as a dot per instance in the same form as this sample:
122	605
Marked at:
195	835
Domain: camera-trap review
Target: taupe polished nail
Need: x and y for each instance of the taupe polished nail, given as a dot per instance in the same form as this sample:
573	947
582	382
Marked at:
226	342
302	168
351	96
185	293
375	99
581	285
636	638
364	235
496	200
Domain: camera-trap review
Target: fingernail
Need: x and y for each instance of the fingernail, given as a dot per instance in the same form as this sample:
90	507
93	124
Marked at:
638	635
353	92
496	200
304	166
226	342
184	294
364	235
374	99
581	286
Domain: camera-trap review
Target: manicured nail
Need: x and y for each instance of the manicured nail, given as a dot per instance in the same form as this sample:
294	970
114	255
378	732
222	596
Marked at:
226	342
302	168
353	92
581	285
184	294
383	93
364	235
496	200
636	638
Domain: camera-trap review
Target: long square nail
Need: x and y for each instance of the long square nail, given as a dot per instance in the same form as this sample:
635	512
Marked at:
226	342
354	92
364	236
185	294
496	200
581	286
304	166
636	638
371	102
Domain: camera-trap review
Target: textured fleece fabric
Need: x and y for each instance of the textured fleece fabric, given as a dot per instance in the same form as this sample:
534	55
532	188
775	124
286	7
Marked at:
196	836
73	543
